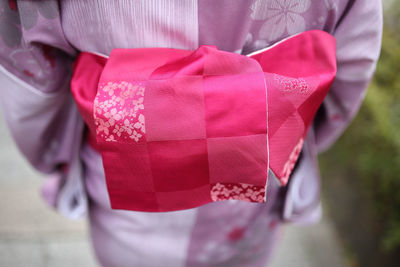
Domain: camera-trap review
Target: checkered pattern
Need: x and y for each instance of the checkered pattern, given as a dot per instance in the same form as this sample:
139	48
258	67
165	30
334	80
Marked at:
203	126
288	125
178	129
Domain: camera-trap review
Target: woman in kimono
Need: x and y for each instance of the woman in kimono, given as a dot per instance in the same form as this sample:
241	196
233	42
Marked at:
40	41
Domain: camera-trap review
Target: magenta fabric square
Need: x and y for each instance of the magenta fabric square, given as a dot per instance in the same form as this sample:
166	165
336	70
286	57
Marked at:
238	159
130	165
279	109
193	198
134	200
235	105
291	130
178	165
172	111
282	143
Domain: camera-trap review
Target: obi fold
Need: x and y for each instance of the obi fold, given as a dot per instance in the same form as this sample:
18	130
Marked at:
177	129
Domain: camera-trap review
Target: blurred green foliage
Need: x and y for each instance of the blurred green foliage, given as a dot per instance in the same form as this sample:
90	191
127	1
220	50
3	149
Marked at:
369	151
382	107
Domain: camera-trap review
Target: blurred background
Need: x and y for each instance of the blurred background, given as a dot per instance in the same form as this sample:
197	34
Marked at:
360	180
361	173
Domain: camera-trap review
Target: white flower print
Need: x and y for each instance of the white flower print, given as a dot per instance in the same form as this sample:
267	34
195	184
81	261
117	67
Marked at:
239	191
115	116
290	85
138	103
102	126
280	15
289	165
140	123
140	91
111	138
110	87
135	136
118	130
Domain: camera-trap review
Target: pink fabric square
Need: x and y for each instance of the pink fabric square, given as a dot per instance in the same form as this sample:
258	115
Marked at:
220	62
129	167
172	111
235	105
192	198
178	165
239	159
139	63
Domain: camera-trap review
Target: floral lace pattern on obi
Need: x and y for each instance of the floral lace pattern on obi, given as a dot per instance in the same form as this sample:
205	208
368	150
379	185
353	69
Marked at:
288	84
289	165
118	111
239	191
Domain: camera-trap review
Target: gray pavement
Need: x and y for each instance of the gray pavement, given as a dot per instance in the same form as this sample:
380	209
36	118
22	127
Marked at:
31	234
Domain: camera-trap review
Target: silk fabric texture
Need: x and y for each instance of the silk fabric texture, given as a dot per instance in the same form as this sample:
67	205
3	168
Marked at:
181	128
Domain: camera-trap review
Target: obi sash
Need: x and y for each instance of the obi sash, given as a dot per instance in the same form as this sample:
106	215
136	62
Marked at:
177	129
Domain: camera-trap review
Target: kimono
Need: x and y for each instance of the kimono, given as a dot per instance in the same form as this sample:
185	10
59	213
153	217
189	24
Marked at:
40	41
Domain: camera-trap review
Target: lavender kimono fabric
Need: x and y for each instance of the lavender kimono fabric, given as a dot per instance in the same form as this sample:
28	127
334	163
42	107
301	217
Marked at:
35	70
178	128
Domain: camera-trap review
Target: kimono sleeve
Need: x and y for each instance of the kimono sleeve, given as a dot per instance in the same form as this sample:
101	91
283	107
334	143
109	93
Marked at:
358	34
35	70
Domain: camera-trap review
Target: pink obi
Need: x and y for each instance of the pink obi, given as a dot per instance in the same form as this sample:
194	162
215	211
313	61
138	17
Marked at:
177	129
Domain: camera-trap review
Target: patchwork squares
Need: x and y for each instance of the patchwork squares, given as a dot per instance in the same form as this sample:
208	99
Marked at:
235	105
178	128
129	165
191	198
173	112
178	165
240	159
